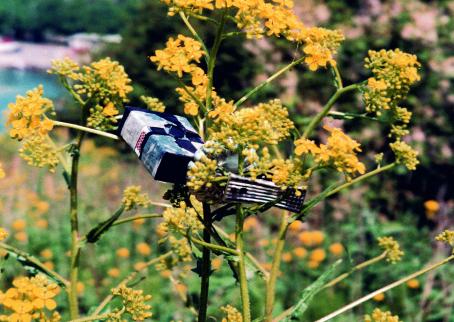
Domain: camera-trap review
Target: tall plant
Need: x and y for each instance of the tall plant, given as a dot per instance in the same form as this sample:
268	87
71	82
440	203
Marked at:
248	141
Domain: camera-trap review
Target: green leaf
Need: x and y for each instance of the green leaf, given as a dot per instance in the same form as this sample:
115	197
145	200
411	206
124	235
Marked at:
309	292
94	234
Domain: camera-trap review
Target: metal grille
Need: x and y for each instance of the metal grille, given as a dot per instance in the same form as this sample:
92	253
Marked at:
241	189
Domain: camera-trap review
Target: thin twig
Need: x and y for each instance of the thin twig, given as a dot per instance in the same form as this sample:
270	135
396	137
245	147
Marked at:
36	262
385	289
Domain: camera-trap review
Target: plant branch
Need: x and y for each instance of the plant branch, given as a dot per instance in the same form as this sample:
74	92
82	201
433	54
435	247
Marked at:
74	221
317	119
86	129
271	283
354	269
385	289
268	81
195	34
206	263
133	218
36	262
246	310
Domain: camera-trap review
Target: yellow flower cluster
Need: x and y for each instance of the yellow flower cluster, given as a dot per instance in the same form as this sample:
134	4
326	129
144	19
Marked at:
271	18
181	249
2	171
338	152
181	219
447	237
284	173
134	305
320	46
179	56
30	299
133	198
39	152
266	123
3	234
405	154
392	249
202	173
394	72
104	83
153	104
27	116
231	314
381	316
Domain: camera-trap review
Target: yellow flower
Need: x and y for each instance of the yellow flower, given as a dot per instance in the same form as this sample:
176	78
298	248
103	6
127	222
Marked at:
27	116
250	222
379	297
42	223
132	198
134	303
405	154
231	314
143	249
338	152
19	224
336	249
413	283
381	316
153	104
300	252
392	249
266	123
313	264
216	263
179	55
113	272
46	253
38	152
317	255
181	219
287	257
139	266
109	110
432	207
374	84
123	252
447	237
3	234
296	226
317	237
2	172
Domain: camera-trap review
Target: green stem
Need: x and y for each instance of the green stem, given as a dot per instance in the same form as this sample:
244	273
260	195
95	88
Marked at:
185	88
254	261
86	129
271	284
60	279
385	289
354	269
341	187
317	119
213	247
212	61
75	247
246	311
133	218
268	81
195	34
206	264
361	178
338	76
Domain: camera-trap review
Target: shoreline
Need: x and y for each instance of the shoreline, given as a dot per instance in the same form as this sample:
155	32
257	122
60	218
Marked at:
33	56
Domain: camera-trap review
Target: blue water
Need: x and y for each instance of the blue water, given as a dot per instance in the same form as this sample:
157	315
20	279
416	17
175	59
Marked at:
16	82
